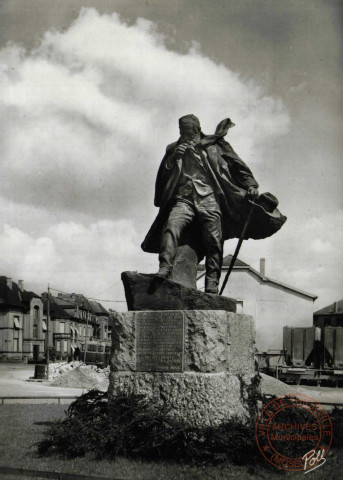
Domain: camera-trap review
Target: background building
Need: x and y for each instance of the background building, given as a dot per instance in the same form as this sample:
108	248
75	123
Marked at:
85	325
330	316
61	329
76	324
22	328
272	304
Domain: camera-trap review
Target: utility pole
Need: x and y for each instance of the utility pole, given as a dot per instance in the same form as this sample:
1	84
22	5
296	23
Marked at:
106	330
48	333
86	346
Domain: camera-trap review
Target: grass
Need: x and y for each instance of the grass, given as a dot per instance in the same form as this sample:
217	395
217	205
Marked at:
21	426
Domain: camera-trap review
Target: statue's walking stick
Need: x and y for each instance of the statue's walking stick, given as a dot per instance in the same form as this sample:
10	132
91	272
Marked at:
239	244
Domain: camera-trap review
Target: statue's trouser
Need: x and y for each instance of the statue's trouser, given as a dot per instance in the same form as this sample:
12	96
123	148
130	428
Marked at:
206	211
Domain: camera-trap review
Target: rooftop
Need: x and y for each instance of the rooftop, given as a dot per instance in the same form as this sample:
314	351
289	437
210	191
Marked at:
336	307
11	295
226	263
98	308
76	299
56	310
240	265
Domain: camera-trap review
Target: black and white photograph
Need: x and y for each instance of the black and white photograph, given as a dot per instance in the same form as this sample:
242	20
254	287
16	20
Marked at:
171	231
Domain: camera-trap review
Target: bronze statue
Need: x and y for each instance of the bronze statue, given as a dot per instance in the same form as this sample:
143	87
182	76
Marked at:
204	191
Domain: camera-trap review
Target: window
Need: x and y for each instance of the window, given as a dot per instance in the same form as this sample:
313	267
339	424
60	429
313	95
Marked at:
65	346
239	306
35	322
62	327
16	322
58	345
97	332
44	327
15	340
101	348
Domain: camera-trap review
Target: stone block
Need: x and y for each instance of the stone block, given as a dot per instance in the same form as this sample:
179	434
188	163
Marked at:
185	266
206	341
214	341
215	385
147	292
241	360
194	399
123	342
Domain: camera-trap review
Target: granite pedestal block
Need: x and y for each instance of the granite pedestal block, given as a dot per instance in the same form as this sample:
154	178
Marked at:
199	364
147	292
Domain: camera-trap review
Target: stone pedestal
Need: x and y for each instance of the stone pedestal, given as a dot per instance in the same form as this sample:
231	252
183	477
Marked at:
199	364
185	266
146	292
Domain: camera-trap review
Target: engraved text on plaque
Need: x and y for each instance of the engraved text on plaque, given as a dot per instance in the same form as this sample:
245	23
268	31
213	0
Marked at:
159	341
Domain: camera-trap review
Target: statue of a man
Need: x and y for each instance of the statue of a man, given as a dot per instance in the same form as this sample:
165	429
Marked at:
202	188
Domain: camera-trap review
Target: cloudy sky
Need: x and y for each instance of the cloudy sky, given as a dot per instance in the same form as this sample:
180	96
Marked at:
90	95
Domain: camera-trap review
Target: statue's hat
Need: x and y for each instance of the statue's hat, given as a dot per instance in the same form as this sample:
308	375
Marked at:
266	218
190	121
268	201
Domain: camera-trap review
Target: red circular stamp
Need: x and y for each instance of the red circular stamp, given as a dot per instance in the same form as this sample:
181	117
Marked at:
294	433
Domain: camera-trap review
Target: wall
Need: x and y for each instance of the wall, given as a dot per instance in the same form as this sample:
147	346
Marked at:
33	341
272	307
58	336
11	337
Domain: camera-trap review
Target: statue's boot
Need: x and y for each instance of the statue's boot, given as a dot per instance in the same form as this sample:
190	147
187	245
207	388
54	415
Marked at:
163	272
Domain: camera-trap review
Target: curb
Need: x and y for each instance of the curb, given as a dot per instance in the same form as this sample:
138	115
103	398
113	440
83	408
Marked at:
48	474
57	400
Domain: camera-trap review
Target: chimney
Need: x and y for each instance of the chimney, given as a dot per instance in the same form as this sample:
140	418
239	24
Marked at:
21	285
9	282
263	267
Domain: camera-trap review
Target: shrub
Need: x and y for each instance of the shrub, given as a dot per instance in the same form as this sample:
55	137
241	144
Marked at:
130	426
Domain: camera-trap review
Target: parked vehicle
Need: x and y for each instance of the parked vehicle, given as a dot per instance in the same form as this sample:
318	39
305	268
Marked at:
95	353
309	354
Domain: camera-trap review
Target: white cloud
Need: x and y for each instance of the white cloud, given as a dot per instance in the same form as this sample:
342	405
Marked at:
305	254
87	117
89	113
73	256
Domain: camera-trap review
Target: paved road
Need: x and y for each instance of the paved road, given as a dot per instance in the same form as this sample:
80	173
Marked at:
321	394
14	382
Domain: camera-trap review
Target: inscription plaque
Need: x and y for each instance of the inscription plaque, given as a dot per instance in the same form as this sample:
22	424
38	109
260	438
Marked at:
159	341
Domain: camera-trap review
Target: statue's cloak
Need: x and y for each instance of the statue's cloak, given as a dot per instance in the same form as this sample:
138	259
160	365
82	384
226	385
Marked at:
231	179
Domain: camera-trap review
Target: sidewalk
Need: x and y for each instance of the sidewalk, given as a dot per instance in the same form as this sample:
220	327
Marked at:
14	383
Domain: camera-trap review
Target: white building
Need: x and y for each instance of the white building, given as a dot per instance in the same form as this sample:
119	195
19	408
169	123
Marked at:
272	304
